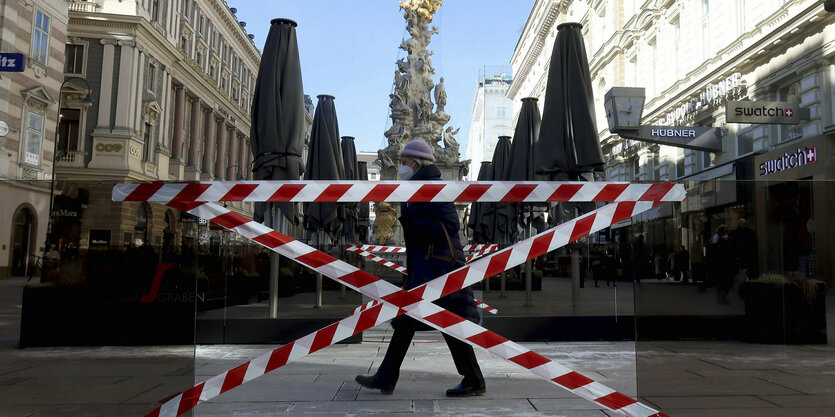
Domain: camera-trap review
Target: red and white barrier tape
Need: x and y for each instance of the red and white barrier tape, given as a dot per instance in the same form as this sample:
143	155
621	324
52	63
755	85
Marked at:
482	251
402	269
375	258
412	191
375	248
416	303
483	247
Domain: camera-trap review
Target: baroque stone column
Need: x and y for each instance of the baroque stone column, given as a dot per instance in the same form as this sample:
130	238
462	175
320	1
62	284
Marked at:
242	157
220	158
232	155
194	140
106	87
249	164
179	115
208	144
125	98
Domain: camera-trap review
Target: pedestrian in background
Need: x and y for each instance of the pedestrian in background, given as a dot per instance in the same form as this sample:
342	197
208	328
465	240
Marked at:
683	263
724	263
433	248
745	242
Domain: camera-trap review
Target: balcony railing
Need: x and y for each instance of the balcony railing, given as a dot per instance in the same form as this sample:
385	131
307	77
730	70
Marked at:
72	160
84	6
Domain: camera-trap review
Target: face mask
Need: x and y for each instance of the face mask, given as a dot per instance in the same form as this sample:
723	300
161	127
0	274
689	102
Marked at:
405	172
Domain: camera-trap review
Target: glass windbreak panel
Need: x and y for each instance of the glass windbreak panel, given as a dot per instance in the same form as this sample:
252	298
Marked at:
747	327
98	298
561	311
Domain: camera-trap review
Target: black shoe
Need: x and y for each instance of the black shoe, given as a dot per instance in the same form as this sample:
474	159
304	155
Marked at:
370	382
464	390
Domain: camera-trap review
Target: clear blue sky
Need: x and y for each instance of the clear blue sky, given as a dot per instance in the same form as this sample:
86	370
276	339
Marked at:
348	49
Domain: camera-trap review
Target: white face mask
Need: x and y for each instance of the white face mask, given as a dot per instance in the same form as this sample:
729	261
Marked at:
405	172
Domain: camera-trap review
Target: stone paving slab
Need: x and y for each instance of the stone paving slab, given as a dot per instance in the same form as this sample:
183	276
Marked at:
83	390
711	402
90	410
801	401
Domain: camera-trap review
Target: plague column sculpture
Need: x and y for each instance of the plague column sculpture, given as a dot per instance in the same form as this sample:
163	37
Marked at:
414	115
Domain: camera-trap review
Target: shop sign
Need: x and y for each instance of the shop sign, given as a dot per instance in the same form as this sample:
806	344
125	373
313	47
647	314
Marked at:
711	94
99	239
109	147
789	161
701	138
768	112
31	158
12	62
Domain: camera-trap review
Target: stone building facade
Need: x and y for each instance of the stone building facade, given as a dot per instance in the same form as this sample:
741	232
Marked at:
491	117
693	56
173	82
28	108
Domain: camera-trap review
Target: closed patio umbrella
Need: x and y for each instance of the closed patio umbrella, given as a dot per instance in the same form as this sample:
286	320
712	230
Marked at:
364	211
324	162
568	146
522	169
349	161
277	133
497	215
568	143
476	220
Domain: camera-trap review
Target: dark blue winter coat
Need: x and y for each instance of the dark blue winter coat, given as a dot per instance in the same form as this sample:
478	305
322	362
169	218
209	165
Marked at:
428	253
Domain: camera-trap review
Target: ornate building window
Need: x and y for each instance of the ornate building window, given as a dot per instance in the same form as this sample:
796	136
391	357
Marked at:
33	142
744	140
74	59
40	38
790	93
150	116
36	102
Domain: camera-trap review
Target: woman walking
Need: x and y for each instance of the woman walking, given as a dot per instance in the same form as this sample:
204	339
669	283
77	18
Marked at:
432	249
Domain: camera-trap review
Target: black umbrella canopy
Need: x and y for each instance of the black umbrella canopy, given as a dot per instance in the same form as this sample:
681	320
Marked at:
277	133
324	162
568	142
522	167
497	215
476	221
349	161
364	212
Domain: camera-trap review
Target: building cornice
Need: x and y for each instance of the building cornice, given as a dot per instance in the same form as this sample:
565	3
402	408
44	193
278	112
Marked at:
232	24
543	28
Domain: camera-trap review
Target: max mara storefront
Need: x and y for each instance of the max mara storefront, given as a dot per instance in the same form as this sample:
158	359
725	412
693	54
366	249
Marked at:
793	191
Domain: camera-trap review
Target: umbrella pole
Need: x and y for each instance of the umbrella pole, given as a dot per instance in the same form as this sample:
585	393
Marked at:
575	281
273	268
342	256
528	264
318	302
501	289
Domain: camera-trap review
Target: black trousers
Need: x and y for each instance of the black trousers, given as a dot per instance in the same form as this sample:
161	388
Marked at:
462	354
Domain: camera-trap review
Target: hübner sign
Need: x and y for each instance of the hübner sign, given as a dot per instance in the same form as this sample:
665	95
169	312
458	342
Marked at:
788	161
769	112
669	133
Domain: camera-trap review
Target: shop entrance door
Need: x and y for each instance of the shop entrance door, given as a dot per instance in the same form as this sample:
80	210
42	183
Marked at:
792	212
21	242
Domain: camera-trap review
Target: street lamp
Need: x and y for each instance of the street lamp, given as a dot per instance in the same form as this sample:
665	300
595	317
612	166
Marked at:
86	102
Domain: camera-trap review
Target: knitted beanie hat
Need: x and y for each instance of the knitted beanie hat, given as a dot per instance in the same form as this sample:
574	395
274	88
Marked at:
418	148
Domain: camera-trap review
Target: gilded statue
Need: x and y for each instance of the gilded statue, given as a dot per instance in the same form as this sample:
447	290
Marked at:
424	8
386	217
